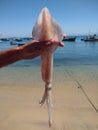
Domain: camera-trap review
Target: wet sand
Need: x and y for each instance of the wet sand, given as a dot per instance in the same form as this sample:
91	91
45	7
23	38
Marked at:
19	104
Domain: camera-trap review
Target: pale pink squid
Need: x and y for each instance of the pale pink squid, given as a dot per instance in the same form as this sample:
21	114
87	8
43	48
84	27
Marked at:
47	28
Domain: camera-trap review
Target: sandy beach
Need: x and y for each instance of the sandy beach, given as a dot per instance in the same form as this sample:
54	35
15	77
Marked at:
20	109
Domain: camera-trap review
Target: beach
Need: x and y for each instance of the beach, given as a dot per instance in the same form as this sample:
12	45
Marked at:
74	90
19	98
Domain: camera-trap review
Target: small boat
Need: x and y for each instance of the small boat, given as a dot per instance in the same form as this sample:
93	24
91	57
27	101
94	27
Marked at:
28	38
90	38
18	39
13	43
4	39
71	39
21	44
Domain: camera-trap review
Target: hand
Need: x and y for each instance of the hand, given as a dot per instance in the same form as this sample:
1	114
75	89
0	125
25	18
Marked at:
33	48
29	50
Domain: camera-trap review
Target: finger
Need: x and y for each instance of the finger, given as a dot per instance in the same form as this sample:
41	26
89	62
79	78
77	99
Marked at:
61	44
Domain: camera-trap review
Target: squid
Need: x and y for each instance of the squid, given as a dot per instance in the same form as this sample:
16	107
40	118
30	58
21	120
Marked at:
47	28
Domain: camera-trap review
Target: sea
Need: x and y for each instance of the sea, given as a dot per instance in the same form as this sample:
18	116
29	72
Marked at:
78	59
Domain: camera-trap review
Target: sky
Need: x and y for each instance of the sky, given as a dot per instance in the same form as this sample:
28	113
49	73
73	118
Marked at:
17	17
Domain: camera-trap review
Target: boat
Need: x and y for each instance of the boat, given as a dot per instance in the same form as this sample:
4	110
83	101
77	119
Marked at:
4	39
90	38
18	39
71	39
21	44
13	43
28	38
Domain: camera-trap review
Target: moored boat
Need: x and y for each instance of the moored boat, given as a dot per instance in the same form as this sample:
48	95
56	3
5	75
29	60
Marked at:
21	44
4	39
90	38
71	39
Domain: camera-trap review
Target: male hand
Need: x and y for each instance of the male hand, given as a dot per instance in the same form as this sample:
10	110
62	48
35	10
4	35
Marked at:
33	48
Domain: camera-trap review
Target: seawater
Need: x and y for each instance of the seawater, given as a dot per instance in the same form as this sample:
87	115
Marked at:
78	59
